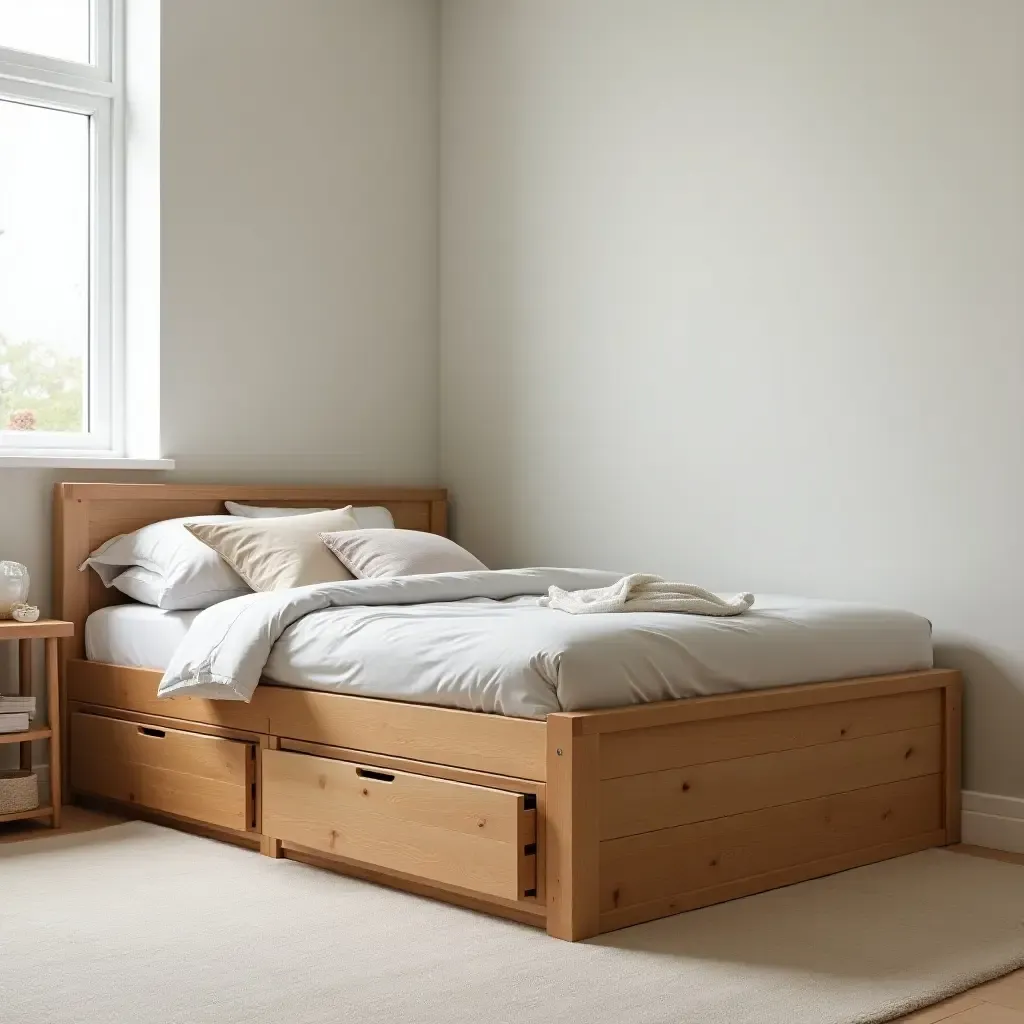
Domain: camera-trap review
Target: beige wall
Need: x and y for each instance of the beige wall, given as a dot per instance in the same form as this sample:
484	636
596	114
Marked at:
732	291
299	185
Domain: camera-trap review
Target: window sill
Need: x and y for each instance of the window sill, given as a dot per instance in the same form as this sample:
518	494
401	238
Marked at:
87	460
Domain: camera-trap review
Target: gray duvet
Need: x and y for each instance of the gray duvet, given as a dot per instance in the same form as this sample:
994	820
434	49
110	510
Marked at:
480	641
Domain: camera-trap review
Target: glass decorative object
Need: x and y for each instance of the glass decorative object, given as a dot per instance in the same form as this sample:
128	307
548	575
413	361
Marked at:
14	584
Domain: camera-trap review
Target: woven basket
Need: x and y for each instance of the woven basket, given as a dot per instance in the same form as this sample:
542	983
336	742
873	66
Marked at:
19	791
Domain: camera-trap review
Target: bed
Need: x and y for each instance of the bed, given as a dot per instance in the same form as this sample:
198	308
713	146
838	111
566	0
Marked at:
580	821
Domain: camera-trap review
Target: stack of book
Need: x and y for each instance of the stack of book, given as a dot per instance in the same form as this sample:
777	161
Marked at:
16	713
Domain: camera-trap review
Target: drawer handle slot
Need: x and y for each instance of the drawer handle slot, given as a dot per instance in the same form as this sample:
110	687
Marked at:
145	730
365	773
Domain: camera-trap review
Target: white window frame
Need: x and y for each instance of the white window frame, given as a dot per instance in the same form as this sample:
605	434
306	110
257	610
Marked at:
96	90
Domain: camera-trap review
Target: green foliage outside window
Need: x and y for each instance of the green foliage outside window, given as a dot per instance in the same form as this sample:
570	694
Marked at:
40	388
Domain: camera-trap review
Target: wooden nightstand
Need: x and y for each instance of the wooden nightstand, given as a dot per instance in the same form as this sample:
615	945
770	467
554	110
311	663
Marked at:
49	631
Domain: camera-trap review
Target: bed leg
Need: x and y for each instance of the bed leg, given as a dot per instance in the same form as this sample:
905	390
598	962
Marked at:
572	829
269	846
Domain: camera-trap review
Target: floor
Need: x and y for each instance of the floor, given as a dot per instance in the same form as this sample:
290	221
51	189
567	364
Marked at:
73	819
997	1002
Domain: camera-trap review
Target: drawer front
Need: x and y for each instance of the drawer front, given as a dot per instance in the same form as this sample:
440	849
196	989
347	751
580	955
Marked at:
450	832
205	778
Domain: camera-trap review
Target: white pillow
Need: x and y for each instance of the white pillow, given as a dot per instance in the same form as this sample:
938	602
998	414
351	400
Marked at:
369	517
164	565
142	585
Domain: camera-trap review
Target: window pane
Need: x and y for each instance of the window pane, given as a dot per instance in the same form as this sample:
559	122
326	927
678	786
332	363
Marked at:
44	268
50	28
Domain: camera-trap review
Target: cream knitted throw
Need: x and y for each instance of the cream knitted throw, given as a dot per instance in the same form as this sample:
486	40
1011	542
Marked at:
642	592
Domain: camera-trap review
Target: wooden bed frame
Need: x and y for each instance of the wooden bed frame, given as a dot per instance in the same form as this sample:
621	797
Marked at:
583	823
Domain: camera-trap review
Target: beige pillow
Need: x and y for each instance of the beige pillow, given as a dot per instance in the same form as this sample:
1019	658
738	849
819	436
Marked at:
275	554
380	554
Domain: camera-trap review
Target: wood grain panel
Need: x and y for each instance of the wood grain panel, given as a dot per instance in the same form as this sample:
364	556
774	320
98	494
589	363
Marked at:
463	739
70	587
405	764
641	868
110	519
134	689
439	517
572	829
679	903
431	828
676	746
120	809
207	757
527	786
526	911
25	690
163	722
205	778
952	754
270	846
699	709
41	628
643	803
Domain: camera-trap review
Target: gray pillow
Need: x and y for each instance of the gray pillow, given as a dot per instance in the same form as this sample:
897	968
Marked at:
382	554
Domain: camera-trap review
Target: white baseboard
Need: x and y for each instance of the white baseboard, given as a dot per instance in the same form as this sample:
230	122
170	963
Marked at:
993	821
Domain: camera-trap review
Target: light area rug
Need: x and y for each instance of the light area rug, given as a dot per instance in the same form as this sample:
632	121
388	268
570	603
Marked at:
137	924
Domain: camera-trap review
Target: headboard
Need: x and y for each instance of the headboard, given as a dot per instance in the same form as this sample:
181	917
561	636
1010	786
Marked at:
85	515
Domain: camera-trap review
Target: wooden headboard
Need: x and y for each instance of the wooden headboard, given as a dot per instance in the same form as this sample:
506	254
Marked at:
85	515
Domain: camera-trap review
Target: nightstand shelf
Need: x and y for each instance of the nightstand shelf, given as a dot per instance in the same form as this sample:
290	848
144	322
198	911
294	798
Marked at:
36	812
25	737
50	632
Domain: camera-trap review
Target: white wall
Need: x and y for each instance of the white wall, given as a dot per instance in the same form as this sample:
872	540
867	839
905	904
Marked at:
299	253
299	177
732	291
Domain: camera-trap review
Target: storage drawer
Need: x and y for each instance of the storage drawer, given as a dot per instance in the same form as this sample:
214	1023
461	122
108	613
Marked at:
450	832
205	778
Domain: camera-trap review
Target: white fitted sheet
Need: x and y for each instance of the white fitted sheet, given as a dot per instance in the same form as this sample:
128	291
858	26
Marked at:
137	635
517	659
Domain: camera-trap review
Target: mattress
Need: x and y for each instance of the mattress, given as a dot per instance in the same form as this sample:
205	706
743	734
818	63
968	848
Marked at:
136	635
515	658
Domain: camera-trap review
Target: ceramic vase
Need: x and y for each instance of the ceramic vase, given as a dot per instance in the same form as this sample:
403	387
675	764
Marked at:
14	584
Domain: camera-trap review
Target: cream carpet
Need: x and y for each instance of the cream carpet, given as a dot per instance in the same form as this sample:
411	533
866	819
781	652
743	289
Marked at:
137	924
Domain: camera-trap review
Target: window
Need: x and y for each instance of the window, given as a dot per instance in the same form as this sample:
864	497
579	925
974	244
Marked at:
61	174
